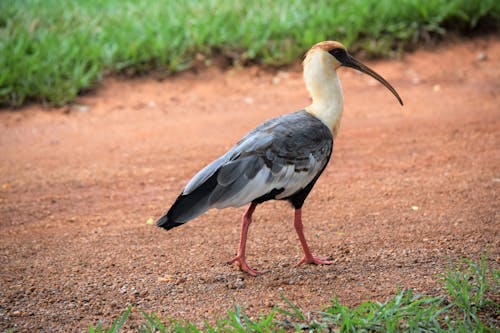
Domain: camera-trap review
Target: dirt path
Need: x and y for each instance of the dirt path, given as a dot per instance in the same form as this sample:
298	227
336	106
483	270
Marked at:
408	189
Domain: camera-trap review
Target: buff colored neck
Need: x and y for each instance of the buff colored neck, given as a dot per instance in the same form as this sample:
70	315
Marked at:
324	86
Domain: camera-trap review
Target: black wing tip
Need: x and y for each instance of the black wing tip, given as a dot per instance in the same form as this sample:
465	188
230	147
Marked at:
167	223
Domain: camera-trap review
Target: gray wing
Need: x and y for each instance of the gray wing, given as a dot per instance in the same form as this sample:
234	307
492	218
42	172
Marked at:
282	155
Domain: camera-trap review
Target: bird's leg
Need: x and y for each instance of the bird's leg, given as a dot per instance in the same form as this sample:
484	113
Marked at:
308	256
240	257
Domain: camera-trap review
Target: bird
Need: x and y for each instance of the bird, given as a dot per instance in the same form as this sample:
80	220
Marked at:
280	159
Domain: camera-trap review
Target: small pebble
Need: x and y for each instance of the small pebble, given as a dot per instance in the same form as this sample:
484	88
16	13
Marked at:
80	108
482	56
249	100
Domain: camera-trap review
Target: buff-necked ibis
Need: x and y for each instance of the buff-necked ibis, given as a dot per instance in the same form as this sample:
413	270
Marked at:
280	159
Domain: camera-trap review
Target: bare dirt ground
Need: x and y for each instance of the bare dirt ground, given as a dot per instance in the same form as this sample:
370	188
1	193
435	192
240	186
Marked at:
408	189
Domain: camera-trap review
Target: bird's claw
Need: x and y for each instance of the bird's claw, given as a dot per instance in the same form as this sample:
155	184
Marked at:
244	266
310	259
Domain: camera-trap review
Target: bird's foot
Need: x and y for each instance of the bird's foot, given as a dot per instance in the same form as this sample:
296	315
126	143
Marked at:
310	259
244	266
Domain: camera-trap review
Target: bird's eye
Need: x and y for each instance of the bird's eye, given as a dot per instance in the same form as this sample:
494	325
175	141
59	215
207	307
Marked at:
334	51
338	53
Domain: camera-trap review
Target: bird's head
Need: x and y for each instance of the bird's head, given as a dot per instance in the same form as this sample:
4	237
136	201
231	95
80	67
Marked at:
326	57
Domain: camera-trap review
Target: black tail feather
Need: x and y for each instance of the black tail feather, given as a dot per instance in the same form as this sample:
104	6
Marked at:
189	206
167	223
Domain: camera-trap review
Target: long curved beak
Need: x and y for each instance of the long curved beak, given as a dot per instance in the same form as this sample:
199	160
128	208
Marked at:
350	61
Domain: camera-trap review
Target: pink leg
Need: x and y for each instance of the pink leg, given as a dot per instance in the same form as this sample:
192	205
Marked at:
240	257
308	256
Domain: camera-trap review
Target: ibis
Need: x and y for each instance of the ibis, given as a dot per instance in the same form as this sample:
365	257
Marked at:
281	159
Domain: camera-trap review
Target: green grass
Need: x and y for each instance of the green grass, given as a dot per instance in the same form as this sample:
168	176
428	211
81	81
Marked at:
52	50
468	306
